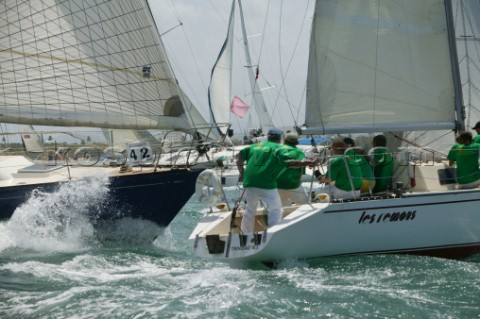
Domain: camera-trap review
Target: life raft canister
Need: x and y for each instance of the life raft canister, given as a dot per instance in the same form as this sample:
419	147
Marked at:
206	180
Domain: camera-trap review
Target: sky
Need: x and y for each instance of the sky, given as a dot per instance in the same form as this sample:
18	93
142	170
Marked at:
278	33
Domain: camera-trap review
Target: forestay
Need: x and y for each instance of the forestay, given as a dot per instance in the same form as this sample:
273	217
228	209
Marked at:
380	66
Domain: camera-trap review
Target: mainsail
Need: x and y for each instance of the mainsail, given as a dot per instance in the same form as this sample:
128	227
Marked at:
467	36
86	63
380	66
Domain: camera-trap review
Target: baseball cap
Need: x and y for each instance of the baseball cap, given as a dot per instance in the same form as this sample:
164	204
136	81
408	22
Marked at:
476	126
291	138
274	131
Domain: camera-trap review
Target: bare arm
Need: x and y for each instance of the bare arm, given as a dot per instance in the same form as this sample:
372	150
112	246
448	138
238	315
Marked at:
303	163
240	167
322	178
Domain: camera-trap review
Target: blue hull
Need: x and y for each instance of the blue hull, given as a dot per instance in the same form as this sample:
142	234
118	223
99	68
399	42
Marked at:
154	196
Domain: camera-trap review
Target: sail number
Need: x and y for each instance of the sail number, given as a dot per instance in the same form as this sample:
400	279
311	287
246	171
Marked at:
139	153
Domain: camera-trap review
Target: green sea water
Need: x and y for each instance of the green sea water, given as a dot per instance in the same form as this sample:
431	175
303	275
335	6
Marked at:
68	266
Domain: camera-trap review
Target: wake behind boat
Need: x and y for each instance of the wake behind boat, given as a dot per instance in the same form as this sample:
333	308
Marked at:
97	73
388	69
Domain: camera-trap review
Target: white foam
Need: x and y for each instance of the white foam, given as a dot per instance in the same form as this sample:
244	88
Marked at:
56	221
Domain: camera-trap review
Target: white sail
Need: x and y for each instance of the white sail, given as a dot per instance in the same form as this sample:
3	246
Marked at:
219	91
361	77
200	124
467	36
84	63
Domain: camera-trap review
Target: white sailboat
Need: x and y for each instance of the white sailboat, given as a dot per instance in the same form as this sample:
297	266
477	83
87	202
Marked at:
84	66
374	66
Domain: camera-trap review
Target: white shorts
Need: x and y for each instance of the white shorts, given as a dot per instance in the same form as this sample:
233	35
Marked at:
270	197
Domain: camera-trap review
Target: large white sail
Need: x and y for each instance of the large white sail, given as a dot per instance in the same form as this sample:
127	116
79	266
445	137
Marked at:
86	63
220	88
467	36
379	66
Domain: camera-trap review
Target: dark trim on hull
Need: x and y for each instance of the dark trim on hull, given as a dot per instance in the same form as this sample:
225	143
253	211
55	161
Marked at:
333	211
451	252
154	196
448	252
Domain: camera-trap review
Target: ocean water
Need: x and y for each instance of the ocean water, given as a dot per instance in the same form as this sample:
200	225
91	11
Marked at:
56	261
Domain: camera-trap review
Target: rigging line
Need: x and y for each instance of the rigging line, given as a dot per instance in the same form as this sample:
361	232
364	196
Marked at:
467	59
282	86
302	99
175	12
270	122
425	133
189	45
263	33
376	64
194	56
172	28
417	145
290	64
282	74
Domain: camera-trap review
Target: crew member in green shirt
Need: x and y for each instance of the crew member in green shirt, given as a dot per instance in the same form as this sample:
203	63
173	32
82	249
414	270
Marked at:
341	174
293	162
476	139
361	159
260	179
382	162
465	154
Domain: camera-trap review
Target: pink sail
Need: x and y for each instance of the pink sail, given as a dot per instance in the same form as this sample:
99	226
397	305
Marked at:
238	107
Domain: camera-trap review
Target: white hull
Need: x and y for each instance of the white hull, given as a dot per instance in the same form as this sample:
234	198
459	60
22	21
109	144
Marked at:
445	224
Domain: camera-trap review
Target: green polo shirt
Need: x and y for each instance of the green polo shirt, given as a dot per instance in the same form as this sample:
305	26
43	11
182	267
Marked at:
382	168
360	160
466	157
262	167
289	178
337	171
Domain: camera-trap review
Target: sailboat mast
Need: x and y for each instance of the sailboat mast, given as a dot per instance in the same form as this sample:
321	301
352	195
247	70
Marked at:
459	108
259	103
